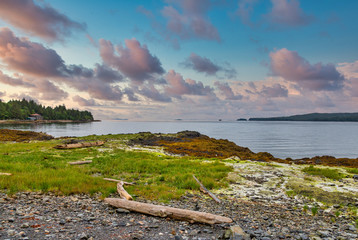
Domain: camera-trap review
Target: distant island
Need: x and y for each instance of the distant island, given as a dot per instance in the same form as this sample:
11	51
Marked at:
27	111
327	117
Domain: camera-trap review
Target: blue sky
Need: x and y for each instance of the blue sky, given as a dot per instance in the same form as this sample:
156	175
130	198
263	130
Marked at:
190	59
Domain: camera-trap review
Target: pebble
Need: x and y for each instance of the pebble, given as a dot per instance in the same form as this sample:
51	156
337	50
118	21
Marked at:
62	218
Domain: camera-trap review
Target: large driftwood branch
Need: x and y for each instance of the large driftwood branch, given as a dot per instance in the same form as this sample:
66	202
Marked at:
79	145
206	191
80	162
6	174
164	211
122	192
118	181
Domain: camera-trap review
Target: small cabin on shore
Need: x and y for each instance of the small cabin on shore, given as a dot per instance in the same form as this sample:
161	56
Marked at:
35	117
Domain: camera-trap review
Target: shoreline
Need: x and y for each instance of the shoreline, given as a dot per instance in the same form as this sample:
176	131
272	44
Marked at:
24	122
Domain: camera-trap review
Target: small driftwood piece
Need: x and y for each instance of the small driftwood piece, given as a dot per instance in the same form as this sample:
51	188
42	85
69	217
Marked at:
118	181
122	192
206	191
80	162
164	211
79	145
5	174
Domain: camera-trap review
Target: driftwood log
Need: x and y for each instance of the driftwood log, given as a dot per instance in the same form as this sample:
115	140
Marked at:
118	181
206	191
79	145
5	174
122	192
80	162
164	211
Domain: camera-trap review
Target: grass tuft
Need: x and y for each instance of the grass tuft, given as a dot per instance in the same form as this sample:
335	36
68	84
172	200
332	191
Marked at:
333	174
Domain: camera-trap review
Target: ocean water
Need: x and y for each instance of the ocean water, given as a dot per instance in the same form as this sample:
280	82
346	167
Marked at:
282	139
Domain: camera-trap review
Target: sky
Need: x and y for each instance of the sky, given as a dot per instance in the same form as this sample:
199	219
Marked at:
161	60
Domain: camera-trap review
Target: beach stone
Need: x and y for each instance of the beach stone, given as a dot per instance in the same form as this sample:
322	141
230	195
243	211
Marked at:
25	225
122	210
237	233
11	232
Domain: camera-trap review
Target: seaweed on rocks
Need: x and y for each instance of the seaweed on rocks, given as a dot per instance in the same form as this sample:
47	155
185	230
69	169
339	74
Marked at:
192	143
21	136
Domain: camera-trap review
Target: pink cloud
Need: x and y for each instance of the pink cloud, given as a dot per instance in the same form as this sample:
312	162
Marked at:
133	60
205	65
201	64
177	86
288	13
150	91
294	68
192	22
28	57
84	102
13	81
276	90
47	90
43	21
227	91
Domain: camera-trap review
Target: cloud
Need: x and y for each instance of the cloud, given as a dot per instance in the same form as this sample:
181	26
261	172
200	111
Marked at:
201	64
2	94
177	86
41	88
42	21
107	74
227	91
192	21
349	69
205	65
276	90
294	68
84	102
46	90
244	10
12	81
288	13
130	95
133	60
28	57
149	91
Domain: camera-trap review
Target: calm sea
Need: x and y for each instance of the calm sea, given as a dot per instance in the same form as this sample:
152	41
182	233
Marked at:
282	139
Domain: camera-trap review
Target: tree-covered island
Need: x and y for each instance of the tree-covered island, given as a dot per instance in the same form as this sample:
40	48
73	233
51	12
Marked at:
30	110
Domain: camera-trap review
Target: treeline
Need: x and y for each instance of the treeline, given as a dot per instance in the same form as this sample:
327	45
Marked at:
323	117
20	110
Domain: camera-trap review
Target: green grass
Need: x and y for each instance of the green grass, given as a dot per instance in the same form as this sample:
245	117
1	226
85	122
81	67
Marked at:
298	187
333	174
352	170
37	166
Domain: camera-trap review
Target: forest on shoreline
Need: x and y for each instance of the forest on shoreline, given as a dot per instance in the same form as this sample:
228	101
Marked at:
22	109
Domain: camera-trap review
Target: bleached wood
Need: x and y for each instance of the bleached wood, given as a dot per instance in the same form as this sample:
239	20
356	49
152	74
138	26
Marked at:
164	211
79	145
122	192
206	191
6	174
115	180
80	162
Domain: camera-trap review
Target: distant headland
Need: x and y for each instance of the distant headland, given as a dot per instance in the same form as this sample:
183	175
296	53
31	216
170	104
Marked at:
322	117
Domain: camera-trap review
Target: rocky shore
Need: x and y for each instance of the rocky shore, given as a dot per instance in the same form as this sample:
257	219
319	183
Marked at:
266	200
256	200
